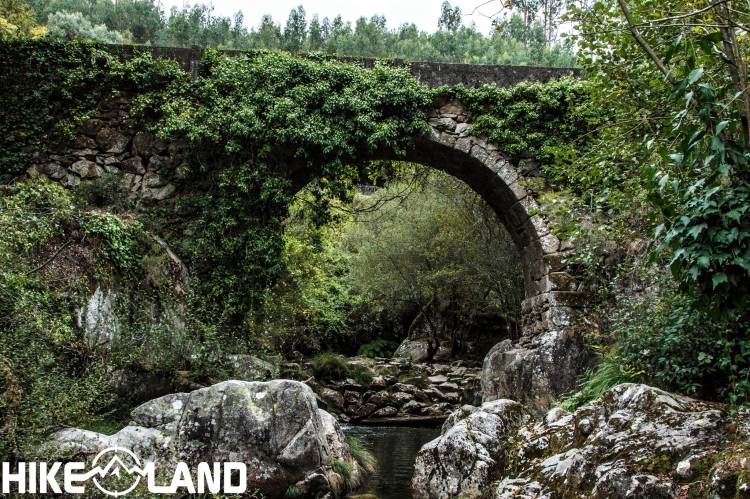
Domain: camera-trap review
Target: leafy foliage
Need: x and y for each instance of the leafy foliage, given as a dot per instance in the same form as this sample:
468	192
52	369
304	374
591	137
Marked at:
432	261
675	145
522	39
544	121
68	80
17	20
47	375
707	213
118	242
329	366
72	25
254	117
378	347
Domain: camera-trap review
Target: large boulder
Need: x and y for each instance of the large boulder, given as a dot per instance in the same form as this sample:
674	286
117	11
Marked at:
463	460
274	427
414	350
637	441
251	368
536	374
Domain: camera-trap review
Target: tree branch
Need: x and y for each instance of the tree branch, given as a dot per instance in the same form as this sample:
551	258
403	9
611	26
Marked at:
644	44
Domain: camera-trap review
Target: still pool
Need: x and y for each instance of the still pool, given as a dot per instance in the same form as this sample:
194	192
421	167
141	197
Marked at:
395	448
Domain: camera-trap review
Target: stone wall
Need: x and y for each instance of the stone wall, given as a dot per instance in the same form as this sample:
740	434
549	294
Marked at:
433	74
110	143
399	392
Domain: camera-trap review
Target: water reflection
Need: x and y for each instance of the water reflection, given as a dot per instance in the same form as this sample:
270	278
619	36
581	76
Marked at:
395	448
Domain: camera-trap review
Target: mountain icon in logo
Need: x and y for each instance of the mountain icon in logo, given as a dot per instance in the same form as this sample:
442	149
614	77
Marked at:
111	478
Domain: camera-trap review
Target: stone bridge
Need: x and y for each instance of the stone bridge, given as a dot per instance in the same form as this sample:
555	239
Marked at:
549	356
433	74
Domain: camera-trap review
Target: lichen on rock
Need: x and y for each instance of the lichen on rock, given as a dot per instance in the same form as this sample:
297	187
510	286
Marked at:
637	441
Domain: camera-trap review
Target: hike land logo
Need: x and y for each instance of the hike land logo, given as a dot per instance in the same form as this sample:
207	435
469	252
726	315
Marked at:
117	471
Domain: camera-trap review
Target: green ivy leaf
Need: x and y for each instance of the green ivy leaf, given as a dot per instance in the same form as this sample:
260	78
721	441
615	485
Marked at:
718	279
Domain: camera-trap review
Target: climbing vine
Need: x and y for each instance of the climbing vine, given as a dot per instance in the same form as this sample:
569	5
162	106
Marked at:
249	124
252	130
547	122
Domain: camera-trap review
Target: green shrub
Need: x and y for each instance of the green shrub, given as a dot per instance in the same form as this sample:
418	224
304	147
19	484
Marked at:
106	190
670	342
377	348
609	373
47	372
118	241
364	457
361	375
292	492
328	366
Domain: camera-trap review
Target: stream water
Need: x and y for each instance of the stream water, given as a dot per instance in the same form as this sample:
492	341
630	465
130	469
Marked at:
395	448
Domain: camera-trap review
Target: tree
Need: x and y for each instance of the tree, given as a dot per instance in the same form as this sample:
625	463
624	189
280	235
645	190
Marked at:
450	18
435	259
295	30
315	39
238	34
69	26
269	33
17	20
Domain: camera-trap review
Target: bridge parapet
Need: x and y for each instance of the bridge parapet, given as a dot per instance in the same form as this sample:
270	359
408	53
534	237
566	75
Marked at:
433	74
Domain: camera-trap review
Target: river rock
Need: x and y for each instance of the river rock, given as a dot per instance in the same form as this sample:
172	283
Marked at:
535	375
413	408
251	368
274	427
331	397
385	412
414	350
462	460
637	441
400	398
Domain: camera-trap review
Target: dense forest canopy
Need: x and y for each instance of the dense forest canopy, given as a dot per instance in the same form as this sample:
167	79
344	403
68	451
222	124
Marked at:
528	36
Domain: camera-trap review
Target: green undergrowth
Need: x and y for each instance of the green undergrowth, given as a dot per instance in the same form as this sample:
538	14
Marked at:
50	374
53	255
669	341
330	366
364	456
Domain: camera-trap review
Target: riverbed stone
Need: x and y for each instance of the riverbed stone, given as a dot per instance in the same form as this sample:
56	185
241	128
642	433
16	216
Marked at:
636	441
461	461
274	427
332	398
535	374
385	412
413	407
417	350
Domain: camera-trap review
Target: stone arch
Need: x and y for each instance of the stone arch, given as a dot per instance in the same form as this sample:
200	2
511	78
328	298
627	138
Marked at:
551	290
550	354
548	359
